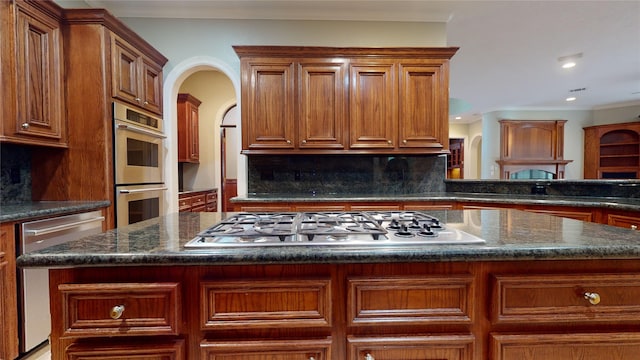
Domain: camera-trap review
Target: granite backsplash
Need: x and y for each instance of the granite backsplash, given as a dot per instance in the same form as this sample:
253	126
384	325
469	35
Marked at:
351	174
15	174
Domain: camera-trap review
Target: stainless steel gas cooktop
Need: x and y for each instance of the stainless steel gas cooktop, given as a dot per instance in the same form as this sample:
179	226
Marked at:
331	228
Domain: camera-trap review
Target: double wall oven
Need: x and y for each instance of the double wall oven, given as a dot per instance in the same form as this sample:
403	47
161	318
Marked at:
138	161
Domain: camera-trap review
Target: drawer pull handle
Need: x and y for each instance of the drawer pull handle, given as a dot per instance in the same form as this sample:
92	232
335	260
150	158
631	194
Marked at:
594	298
116	312
369	357
634	227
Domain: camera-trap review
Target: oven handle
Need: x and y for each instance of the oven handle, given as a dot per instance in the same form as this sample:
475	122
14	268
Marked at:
53	229
142	190
141	130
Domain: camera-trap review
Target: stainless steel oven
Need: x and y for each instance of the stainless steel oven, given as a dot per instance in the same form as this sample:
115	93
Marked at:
138	144
139	202
138	165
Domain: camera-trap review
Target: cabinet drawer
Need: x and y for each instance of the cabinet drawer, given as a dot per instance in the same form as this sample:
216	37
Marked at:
146	309
173	350
566	298
198	200
260	304
410	300
618	346
211	197
184	204
441	347
319	349
629	222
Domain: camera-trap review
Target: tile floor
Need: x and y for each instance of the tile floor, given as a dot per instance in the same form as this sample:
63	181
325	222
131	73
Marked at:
41	354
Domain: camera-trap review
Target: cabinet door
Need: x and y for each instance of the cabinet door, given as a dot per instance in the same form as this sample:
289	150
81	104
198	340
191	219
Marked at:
322	104
440	347
373	105
152	350
151	86
312	349
194	132
39	74
610	346
423	107
125	71
268	98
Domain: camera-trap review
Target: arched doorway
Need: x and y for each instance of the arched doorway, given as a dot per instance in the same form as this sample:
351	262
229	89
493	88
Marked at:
173	81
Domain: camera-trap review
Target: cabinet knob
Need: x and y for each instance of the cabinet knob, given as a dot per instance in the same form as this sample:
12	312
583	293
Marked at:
138	99
288	141
146	103
594	298
116	312
404	141
312	358
25	126
634	227
304	141
368	356
389	142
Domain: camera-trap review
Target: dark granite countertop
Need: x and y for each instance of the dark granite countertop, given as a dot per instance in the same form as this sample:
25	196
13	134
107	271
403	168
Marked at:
39	209
631	204
509	234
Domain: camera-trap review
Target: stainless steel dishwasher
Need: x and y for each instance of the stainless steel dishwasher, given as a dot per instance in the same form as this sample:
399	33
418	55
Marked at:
33	284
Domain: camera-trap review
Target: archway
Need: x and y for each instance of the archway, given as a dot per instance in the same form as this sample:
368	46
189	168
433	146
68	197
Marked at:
171	87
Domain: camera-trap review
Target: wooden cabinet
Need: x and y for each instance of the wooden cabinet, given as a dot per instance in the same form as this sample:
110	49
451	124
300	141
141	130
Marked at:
8	300
556	299
437	310
137	79
399	104
198	201
168	350
453	347
88	162
267	350
344	100
32	74
532	149
612	151
188	129
455	160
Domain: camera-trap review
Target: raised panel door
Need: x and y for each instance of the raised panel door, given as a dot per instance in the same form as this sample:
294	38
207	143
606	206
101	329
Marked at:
610	346
8	299
152	86
423	107
125	71
434	347
311	349
268	122
39	77
373	105
188	129
322	104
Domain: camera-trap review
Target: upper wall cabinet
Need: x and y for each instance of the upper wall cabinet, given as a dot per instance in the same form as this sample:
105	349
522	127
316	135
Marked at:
32	73
612	151
188	129
136	78
344	100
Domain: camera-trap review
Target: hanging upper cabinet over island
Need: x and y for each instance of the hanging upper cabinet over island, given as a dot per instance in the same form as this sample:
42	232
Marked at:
316	100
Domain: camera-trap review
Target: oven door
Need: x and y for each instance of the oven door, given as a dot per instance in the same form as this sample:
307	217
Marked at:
136	203
138	154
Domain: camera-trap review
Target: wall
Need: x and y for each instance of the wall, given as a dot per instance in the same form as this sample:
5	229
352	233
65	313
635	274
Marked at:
616	115
215	90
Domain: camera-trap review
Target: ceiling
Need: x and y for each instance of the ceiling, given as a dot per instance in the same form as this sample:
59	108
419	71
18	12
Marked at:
509	50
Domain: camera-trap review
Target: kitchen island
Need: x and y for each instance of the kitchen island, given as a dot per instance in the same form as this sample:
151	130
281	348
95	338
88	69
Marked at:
541	286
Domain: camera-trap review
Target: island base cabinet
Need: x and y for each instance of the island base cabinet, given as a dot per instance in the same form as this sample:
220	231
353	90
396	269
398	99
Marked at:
440	347
610	346
267	350
173	350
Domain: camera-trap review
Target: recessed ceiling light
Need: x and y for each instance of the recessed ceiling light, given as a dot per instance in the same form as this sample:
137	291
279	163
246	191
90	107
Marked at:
569	61
571	98
458	117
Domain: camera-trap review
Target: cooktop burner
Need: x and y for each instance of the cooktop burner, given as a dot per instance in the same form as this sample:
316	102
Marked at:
331	228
